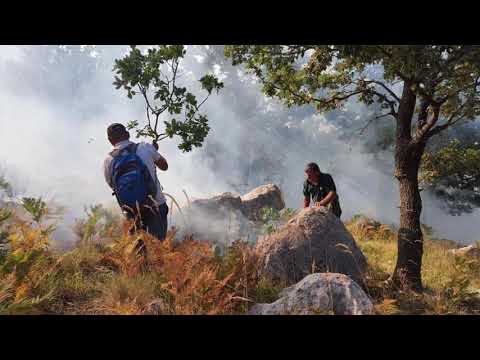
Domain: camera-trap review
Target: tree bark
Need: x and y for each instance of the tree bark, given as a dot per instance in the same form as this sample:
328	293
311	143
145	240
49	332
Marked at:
408	154
408	269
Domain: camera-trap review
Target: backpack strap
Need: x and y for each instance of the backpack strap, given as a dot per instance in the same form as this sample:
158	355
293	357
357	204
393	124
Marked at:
132	148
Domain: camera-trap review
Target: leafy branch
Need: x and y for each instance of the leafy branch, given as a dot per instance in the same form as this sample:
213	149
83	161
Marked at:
154	76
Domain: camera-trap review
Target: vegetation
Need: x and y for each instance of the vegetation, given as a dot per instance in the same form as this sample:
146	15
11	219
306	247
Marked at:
272	218
173	277
188	277
155	76
424	89
454	167
451	282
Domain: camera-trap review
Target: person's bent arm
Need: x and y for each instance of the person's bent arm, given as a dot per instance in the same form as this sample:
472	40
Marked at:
161	163
328	199
158	159
306	201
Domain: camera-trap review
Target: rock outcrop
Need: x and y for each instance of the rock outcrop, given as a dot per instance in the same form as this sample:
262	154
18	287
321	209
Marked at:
469	251
261	197
220	203
369	228
228	217
249	204
320	293
314	240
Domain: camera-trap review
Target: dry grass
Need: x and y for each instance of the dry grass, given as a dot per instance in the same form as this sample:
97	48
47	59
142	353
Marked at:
449	280
188	277
170	277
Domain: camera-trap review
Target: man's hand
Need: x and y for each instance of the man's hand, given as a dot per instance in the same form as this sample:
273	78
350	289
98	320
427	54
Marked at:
162	163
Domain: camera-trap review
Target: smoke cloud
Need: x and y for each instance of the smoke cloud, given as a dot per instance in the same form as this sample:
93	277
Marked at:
57	103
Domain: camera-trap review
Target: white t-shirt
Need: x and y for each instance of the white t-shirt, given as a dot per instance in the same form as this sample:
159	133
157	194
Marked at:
148	154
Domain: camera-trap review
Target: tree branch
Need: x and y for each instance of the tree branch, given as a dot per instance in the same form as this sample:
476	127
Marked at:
450	121
144	93
385	87
389	102
475	84
362	130
426	124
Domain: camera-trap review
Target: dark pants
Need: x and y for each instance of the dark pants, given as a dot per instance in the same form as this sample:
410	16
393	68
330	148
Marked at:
154	221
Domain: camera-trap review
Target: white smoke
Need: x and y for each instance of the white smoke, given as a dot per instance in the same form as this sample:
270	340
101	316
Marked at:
57	102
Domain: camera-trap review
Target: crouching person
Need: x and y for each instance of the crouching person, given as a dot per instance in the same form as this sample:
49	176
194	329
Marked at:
130	171
321	188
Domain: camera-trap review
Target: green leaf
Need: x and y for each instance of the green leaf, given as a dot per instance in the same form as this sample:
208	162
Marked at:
210	83
144	73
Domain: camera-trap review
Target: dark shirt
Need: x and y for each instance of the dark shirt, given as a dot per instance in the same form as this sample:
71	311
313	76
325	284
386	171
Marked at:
318	192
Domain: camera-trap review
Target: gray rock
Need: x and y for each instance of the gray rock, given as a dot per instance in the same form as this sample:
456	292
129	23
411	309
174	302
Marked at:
222	202
469	251
261	197
314	240
228	217
320	293
249	205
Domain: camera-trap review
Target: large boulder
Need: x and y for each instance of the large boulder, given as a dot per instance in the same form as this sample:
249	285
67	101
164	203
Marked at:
261	197
314	240
320	293
228	217
249	204
223	202
217	219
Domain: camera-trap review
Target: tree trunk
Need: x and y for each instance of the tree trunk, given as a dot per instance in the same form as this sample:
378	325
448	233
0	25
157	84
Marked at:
408	154
407	272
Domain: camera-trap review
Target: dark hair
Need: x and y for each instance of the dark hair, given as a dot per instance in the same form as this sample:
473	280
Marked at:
313	166
117	132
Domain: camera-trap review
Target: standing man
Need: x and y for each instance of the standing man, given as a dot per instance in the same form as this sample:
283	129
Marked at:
321	189
130	171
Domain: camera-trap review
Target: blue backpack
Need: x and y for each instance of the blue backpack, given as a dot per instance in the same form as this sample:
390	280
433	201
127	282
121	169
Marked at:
132	182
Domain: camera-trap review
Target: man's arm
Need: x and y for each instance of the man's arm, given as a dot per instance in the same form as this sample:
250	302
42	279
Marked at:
332	192
306	201
107	172
158	159
306	194
327	199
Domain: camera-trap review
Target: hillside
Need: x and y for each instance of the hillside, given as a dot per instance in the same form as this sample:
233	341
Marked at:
191	277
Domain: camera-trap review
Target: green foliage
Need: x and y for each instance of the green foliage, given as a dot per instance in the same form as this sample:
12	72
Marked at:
5	214
328	75
33	280
156	73
440	84
36	207
11	306
266	291
272	218
455	166
457	292
100	222
287	213
6	187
